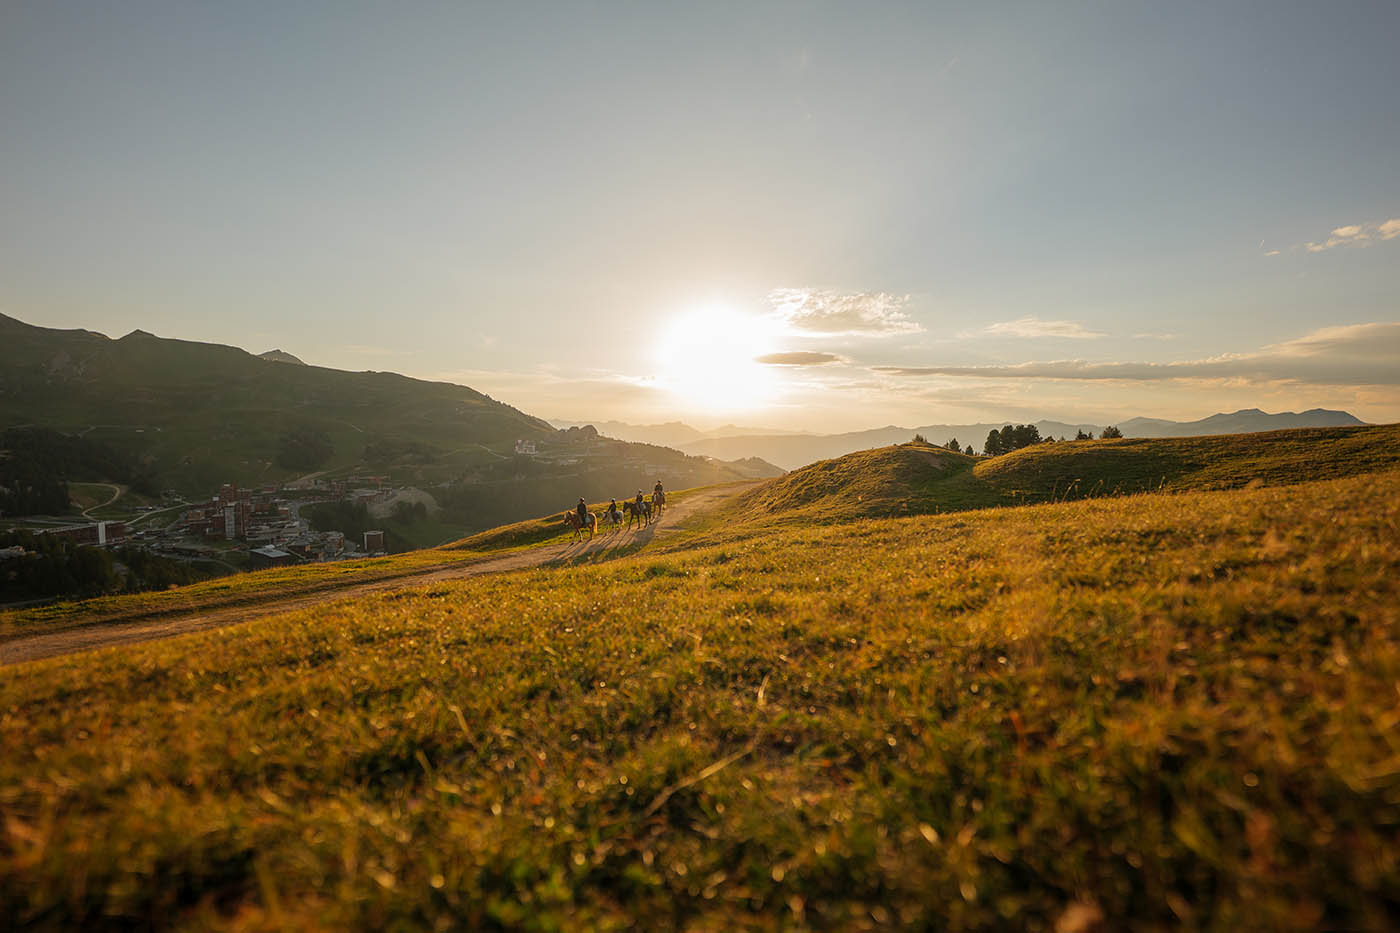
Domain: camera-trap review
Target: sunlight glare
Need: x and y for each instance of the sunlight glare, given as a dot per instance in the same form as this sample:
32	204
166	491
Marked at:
707	359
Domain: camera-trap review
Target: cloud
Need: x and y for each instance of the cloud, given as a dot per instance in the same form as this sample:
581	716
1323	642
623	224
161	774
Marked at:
820	313
1352	355
1034	327
798	358
1356	235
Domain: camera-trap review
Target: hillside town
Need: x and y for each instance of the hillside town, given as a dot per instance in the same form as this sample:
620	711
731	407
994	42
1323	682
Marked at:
242	527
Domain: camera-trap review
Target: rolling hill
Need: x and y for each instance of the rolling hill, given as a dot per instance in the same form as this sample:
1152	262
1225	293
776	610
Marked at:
1154	711
919	478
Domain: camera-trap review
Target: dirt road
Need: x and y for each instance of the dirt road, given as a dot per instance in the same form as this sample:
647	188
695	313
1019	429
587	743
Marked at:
604	545
116	494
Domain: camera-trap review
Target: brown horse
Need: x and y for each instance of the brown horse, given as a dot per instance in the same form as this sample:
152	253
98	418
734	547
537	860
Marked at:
658	499
640	514
578	524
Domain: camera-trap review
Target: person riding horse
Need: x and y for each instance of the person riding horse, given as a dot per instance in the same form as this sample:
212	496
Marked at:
582	511
612	511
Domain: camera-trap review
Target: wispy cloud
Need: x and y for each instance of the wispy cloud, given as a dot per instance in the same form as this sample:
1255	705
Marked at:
1034	327
798	358
821	313
1352	355
1355	235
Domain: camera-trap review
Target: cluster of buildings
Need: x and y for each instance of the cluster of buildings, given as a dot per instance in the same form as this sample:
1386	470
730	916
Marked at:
260	518
260	522
275	534
230	515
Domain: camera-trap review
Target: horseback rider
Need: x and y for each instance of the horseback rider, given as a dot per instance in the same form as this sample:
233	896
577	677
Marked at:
658	490
639	500
582	511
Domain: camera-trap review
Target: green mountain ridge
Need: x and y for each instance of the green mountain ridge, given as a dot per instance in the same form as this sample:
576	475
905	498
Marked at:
201	414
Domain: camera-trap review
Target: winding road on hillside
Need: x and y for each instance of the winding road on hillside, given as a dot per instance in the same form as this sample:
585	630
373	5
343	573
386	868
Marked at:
32	647
116	494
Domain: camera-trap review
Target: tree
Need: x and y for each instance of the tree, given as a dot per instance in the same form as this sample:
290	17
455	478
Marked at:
970	452
1111	431
1023	435
919	439
954	446
1082	436
1011	437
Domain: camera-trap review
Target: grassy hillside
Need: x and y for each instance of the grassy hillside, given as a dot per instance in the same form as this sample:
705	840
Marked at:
1219	462
916	478
202	414
1171	710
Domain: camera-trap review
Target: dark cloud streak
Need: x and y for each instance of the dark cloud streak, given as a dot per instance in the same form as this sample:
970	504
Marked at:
798	358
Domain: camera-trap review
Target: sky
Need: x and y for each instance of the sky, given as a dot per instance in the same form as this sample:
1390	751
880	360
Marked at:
795	215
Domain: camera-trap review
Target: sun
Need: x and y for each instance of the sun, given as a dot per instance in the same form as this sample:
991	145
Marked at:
708	360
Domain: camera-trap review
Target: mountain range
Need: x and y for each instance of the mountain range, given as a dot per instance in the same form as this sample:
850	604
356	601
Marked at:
792	450
670	434
199	414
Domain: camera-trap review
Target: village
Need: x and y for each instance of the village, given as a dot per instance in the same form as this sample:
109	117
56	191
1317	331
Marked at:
240	527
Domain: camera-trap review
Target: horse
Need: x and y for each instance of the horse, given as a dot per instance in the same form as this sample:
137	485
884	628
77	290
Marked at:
614	516
636	513
578	524
658	499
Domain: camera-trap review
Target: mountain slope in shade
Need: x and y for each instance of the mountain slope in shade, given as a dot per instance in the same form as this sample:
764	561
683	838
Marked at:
201	414
791	451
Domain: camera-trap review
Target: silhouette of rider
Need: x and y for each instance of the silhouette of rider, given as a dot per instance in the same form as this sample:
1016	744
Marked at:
658	488
582	511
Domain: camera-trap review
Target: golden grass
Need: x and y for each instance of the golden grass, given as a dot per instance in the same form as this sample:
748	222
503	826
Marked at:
1167	710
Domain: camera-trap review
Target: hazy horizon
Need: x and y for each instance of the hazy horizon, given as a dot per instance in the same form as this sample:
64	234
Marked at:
813	217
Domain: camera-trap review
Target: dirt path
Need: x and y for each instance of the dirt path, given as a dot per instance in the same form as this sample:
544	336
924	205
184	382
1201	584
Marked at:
116	494
602	547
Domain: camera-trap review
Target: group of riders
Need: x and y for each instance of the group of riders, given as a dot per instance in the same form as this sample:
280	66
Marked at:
639	509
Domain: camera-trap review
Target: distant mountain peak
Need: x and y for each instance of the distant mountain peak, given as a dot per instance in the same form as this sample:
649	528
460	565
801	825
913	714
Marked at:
280	356
138	334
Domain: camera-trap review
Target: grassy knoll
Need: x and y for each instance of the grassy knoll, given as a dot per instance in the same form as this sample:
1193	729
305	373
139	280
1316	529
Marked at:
917	478
1175	710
